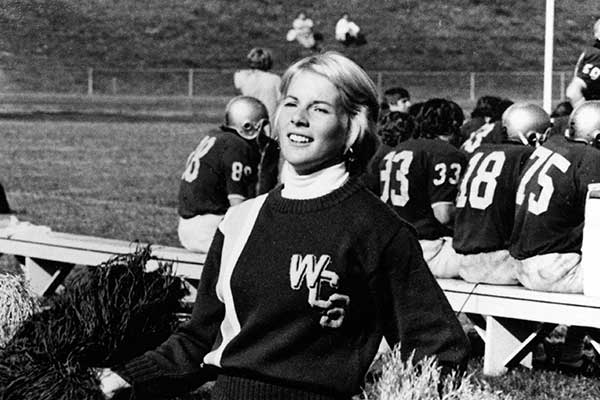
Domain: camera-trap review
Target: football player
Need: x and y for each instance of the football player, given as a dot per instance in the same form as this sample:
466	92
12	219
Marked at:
392	128
549	217
419	180
485	204
396	99
586	82
560	118
485	125
550	203
221	172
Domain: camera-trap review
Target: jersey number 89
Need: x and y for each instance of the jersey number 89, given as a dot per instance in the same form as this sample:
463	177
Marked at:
238	170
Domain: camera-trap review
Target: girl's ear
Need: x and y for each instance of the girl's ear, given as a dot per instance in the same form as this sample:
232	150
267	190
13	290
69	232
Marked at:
358	124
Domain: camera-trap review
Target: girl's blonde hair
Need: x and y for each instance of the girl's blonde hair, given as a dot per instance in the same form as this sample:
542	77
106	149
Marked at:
358	98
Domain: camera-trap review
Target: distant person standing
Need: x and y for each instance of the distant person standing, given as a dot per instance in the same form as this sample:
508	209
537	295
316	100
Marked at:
586	81
347	32
257	82
221	172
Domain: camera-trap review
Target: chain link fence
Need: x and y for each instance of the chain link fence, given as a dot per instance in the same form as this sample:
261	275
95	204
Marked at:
457	85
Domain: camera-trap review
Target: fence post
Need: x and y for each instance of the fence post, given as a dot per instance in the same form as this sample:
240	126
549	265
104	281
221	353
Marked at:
90	81
380	86
114	85
472	86
191	82
562	86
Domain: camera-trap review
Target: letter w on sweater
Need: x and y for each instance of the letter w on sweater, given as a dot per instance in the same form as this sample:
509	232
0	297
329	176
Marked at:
314	272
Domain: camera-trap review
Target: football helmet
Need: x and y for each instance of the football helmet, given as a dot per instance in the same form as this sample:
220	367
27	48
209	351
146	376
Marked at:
584	123
527	123
247	116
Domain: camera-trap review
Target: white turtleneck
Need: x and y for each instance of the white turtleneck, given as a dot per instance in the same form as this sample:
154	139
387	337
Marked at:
320	183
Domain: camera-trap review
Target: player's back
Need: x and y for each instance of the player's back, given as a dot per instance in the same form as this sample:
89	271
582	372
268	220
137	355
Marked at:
222	164
414	175
550	200
485	203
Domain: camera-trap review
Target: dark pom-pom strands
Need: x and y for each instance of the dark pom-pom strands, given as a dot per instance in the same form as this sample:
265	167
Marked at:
105	316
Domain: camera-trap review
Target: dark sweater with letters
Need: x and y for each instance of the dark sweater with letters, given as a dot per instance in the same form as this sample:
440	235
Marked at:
258	325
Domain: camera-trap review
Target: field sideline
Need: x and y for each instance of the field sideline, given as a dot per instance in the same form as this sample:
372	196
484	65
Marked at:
120	180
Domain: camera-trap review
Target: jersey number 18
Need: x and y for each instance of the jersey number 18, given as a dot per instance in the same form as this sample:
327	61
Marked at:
479	191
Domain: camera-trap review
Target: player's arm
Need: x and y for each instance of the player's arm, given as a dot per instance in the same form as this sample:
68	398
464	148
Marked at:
444	212
575	91
577	86
444	187
240	174
234	200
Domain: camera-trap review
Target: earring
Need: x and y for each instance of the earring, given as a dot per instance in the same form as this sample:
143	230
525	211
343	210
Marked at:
349	155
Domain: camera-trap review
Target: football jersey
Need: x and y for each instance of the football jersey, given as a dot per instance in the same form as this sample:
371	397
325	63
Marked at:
490	132
588	69
222	165
417	174
485	204
371	175
550	199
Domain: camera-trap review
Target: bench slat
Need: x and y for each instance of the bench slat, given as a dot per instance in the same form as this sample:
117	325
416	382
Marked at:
520	303
89	250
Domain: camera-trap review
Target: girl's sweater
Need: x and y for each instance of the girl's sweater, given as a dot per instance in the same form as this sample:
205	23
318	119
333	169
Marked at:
258	324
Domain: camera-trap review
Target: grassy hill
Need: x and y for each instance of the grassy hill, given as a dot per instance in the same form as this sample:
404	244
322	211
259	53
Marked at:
472	35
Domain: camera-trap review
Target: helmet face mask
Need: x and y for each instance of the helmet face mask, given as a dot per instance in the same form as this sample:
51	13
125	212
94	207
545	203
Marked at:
250	130
526	123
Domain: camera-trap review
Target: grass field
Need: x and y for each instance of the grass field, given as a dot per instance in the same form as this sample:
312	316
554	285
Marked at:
115	180
120	180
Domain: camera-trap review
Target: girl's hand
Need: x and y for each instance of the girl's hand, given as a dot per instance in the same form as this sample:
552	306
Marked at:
110	382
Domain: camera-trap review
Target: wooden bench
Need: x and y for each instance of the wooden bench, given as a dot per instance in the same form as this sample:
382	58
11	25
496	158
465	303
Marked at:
47	257
515	318
511	319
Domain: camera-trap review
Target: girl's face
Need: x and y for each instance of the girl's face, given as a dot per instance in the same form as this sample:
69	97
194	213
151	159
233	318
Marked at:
312	125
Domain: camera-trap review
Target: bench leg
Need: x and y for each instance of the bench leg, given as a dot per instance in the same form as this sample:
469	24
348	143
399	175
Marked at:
528	344
508	342
478	324
45	276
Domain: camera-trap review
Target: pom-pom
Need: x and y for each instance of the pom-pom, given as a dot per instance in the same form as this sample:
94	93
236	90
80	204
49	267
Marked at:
17	303
106	316
398	379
